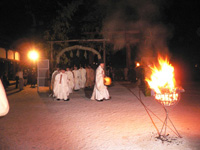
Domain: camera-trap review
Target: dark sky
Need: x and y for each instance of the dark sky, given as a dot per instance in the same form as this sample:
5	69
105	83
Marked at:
17	20
181	15
184	16
185	43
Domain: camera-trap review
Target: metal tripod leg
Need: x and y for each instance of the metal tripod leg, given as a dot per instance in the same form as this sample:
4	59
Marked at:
175	129
165	125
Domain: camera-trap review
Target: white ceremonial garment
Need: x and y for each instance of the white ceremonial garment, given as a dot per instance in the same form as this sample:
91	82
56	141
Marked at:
61	87
76	79
53	78
4	105
83	77
100	91
70	77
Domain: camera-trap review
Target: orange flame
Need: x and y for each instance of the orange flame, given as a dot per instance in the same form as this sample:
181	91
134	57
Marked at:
162	81
162	78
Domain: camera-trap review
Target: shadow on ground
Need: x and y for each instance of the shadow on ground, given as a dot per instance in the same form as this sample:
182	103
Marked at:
12	90
128	84
88	92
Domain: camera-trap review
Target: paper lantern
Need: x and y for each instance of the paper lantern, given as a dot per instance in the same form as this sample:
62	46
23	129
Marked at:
107	81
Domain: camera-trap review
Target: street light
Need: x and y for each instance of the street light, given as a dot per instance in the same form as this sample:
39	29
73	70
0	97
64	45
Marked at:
33	55
137	64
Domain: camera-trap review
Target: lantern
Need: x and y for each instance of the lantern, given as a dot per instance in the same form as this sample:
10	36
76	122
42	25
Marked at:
107	81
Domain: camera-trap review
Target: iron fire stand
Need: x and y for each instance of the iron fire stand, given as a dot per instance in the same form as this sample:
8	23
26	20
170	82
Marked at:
162	133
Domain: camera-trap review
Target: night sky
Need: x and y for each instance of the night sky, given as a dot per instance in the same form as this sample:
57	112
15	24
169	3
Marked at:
181	16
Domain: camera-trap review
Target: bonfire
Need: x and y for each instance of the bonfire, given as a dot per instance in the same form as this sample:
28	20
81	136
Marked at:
162	81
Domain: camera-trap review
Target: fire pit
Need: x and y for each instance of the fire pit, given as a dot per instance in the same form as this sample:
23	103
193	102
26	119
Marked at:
161	80
168	99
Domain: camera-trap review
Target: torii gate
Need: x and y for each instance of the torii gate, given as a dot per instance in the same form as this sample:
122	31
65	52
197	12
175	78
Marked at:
77	47
84	48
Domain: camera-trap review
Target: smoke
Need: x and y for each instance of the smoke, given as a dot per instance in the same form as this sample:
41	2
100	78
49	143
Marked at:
141	17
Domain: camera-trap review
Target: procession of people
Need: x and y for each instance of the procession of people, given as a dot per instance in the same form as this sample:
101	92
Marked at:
66	80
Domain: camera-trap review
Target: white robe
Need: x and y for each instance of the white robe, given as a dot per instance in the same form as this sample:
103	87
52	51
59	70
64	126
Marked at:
53	78
83	77
100	90
61	87
4	105
71	80
76	79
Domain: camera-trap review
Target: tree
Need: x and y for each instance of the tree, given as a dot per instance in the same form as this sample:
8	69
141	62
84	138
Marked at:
60	26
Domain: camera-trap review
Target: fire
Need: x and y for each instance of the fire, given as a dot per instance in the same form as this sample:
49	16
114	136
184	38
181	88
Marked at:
163	83
162	78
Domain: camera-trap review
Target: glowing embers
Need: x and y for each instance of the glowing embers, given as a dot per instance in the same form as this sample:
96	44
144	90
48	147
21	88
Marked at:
168	99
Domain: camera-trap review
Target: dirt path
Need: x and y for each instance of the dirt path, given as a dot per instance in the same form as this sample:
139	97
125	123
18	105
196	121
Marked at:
35	121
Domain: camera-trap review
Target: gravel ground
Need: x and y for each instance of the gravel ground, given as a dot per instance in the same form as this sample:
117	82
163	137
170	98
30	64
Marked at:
36	121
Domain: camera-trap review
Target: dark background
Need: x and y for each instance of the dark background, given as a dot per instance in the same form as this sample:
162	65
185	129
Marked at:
31	18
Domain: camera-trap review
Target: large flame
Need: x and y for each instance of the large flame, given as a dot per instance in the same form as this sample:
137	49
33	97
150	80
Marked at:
162	78
162	81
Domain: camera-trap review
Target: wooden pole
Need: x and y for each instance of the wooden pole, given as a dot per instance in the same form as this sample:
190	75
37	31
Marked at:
51	56
82	40
128	51
128	55
104	55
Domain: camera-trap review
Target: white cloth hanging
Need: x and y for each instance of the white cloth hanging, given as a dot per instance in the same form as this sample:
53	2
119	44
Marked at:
85	55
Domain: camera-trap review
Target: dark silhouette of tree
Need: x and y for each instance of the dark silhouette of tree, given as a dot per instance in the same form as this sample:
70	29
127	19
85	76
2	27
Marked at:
60	26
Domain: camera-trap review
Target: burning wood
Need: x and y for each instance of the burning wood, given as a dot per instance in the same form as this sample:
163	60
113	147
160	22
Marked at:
167	99
163	83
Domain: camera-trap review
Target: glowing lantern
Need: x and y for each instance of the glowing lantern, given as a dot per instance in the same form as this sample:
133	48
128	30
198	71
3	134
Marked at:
137	64
107	81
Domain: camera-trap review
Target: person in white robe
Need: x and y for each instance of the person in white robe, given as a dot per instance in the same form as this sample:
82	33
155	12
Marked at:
70	77
61	86
4	106
53	77
100	91
77	76
83	77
